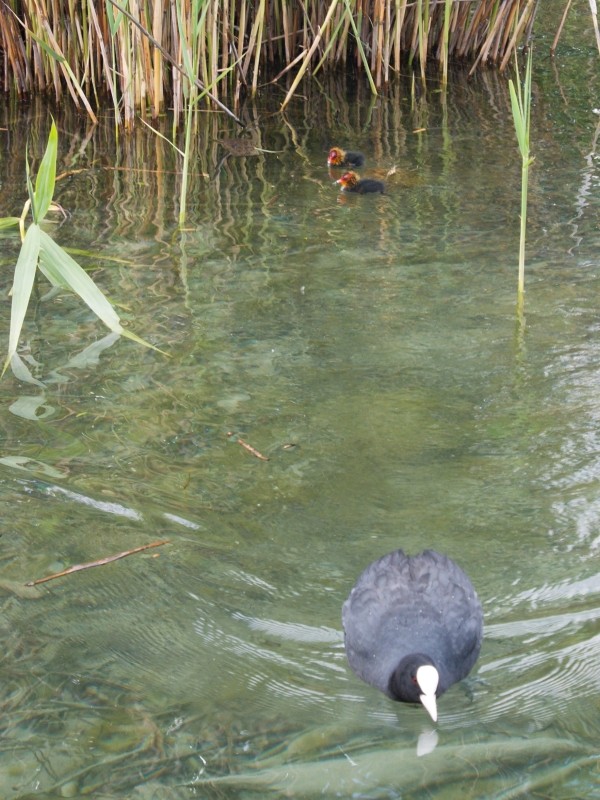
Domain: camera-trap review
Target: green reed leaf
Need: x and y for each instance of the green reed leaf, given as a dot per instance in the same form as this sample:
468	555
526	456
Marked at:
22	286
46	177
518	116
46	48
62	270
8	222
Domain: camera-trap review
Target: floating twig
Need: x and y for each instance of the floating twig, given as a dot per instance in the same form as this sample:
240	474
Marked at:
248	447
99	563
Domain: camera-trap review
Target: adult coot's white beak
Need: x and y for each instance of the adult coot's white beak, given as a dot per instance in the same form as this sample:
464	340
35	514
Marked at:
430	704
428	677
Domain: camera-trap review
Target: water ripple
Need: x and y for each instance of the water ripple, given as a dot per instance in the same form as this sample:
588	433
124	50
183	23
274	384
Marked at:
570	672
294	631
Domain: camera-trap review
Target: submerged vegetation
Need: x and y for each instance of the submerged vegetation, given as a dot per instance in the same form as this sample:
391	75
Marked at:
147	56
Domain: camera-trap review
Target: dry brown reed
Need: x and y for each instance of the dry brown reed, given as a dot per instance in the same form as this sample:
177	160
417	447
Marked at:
133	51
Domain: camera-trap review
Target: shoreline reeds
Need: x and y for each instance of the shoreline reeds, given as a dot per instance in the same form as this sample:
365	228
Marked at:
134	53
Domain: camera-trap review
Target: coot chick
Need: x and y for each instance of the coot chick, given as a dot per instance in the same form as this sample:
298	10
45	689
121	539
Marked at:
344	158
352	182
413	626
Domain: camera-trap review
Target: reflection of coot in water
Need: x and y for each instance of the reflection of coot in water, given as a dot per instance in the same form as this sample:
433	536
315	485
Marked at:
413	626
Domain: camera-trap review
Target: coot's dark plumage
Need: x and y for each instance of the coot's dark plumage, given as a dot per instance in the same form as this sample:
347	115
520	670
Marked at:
413	626
351	182
344	158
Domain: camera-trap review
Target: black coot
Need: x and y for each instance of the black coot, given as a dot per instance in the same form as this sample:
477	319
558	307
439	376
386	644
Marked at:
413	626
344	158
352	182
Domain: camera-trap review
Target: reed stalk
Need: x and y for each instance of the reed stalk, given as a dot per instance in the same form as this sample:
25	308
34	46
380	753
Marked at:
520	98
132	51
594	11
446	41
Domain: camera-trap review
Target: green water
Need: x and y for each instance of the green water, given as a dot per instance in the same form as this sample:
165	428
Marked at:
369	348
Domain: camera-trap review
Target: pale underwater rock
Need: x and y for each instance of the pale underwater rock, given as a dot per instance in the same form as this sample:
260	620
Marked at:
401	769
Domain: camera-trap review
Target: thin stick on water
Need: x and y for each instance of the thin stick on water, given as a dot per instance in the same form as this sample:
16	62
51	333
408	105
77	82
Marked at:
248	447
99	563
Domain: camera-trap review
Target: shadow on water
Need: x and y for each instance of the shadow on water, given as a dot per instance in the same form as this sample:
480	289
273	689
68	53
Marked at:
366	347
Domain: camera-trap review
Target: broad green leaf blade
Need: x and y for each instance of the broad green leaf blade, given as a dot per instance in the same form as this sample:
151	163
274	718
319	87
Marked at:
8	222
135	338
46	48
527	92
62	270
517	113
46	177
22	285
67	272
54	276
114	17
